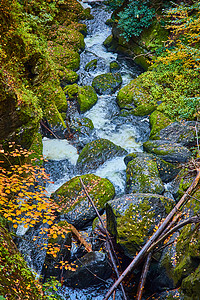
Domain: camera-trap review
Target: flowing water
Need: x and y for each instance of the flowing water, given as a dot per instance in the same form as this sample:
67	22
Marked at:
128	132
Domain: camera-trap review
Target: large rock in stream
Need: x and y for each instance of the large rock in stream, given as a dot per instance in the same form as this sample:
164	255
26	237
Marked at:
148	164
142	175
132	218
94	154
85	96
170	152
181	133
75	206
107	83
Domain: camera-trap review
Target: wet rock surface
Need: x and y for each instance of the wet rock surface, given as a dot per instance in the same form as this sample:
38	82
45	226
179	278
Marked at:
170	152
131	218
96	153
72	200
107	83
181	133
142	176
91	269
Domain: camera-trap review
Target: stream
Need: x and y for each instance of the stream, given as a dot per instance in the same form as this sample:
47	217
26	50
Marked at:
128	132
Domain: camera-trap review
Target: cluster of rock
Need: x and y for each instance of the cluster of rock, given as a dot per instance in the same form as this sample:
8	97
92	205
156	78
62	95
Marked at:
132	218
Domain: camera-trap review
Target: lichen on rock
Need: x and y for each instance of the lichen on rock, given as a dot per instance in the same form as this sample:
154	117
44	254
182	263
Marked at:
74	203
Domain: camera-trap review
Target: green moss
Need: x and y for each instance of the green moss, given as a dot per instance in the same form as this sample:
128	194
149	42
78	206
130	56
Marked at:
87	97
64	57
191	284
67	76
142	176
91	65
52	100
144	109
107	83
97	152
108	43
71	91
131	218
134	94
158	121
131	231
20	277
71	193
114	66
37	148
82	125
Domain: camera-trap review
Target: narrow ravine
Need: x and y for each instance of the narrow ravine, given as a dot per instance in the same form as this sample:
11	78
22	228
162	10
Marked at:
124	130
128	132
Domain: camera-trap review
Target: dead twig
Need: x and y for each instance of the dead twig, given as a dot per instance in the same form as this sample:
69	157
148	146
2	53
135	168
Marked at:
156	235
109	241
42	123
191	220
143	277
80	238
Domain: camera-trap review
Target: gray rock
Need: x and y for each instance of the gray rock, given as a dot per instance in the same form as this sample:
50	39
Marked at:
142	176
75	206
107	83
167	171
132	218
170	152
89	270
181	133
94	154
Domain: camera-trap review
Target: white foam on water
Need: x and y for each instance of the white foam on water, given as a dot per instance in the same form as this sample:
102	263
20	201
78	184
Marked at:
55	149
124	137
113	170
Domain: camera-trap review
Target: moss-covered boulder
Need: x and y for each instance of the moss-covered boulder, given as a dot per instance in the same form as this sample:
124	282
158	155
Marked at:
158	121
107	83
65	57
14	272
114	66
170	152
144	109
134	94
132	218
142	176
67	76
109	43
167	171
91	65
182	133
191	284
182	261
85	96
94	154
74	203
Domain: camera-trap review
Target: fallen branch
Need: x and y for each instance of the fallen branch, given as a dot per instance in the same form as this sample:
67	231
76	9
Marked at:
42	123
80	238
191	220
109	241
143	277
156	235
